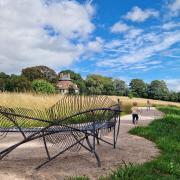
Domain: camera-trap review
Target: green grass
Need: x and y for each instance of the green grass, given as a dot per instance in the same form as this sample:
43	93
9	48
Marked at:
166	134
78	178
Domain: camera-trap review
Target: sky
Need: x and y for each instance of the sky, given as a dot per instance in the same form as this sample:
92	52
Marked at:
122	39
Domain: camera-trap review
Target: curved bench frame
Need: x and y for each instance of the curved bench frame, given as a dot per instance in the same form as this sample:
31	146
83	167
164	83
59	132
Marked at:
87	131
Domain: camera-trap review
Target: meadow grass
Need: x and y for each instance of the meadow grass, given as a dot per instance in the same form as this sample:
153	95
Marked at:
28	100
165	133
42	101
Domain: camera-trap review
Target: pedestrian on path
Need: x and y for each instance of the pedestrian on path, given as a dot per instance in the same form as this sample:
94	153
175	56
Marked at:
135	113
148	105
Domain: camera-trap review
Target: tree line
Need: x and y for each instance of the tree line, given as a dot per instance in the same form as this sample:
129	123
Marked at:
43	79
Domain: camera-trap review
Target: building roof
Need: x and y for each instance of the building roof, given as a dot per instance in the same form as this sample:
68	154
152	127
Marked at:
65	82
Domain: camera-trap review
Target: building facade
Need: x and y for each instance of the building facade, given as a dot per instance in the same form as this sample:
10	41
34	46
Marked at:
65	84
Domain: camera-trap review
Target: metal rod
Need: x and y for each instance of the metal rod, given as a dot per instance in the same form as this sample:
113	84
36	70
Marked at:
45	145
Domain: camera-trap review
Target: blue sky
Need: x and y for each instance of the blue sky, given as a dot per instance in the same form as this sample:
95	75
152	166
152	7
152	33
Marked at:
119	39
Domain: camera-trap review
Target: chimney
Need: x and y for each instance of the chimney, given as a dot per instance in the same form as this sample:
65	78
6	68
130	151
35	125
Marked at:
61	75
68	75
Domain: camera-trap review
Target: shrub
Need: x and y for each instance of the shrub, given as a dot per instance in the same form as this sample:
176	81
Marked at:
42	86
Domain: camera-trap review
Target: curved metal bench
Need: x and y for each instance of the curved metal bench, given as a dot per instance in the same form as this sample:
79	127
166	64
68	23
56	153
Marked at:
72	123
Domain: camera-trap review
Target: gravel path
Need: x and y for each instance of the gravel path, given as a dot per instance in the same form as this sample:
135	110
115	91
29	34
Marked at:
20	163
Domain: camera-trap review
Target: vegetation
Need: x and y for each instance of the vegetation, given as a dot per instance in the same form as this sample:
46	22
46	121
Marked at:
40	72
158	90
120	88
165	133
14	83
42	86
97	84
94	84
138	88
42	101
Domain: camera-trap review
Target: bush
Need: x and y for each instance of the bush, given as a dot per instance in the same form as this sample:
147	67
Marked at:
42	86
130	95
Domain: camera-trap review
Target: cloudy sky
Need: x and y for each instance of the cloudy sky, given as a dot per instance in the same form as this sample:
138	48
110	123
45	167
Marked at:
120	39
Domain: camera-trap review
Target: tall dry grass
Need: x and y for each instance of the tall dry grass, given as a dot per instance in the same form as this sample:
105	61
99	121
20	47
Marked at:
29	100
143	102
126	102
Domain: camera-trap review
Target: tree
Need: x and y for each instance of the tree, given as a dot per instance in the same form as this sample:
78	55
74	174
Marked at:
178	94
158	90
40	72
3	81
18	84
43	86
120	87
77	79
138	88
173	96
97	84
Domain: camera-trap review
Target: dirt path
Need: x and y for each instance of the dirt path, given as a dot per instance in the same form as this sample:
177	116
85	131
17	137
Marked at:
20	164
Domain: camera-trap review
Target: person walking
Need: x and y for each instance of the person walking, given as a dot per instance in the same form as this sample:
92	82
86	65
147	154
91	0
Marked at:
135	113
148	105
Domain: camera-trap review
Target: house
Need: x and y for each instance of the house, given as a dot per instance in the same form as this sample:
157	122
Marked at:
65	84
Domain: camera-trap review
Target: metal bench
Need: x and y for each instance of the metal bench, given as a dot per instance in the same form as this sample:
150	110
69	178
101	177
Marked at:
72	123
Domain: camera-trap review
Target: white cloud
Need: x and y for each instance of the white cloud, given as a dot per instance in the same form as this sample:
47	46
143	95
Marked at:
174	8
113	44
32	33
95	46
138	15
170	25
173	84
137	53
129	31
133	33
164	42
119	27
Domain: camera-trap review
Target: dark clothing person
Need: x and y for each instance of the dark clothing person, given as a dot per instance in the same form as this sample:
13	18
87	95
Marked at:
135	111
135	118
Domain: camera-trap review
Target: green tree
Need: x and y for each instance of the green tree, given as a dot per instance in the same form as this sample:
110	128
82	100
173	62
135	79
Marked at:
178	94
138	88
18	84
120	87
97	84
3	81
173	96
40	72
77	79
158	90
43	86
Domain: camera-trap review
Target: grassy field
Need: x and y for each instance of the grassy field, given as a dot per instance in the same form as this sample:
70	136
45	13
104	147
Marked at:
45	101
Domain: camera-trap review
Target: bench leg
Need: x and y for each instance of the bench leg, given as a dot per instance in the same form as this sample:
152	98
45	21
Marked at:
93	151
97	135
45	146
61	152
